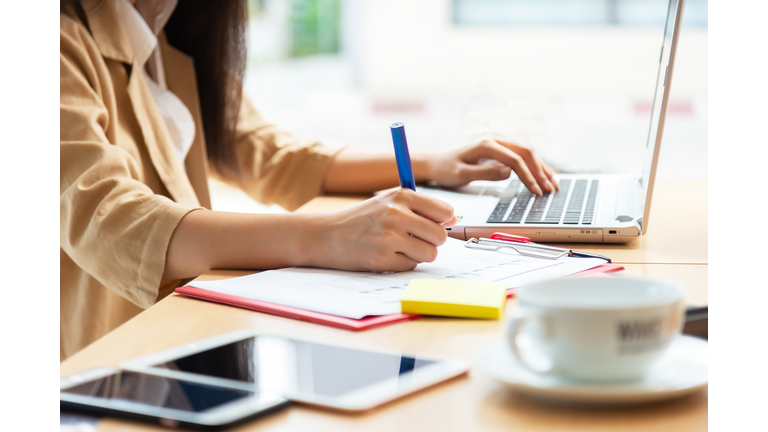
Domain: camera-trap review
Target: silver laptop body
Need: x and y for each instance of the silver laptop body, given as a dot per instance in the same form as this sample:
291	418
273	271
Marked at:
589	208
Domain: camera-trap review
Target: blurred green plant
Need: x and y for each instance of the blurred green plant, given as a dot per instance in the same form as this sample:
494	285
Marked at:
314	26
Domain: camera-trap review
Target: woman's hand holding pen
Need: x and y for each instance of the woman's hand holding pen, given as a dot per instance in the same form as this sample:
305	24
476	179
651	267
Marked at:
391	232
490	158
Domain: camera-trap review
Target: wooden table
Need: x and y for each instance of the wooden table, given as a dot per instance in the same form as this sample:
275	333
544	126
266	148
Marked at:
472	402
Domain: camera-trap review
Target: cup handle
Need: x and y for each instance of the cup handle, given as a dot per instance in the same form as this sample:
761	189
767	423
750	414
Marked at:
513	329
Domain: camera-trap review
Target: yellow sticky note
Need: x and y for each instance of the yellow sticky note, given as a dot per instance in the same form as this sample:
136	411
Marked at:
455	298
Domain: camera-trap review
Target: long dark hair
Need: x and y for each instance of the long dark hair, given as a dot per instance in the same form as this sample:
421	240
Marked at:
213	34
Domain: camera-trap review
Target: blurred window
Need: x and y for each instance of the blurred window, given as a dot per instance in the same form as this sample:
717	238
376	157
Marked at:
293	28
573	12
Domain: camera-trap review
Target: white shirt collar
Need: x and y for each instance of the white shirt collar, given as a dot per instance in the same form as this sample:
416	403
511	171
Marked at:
143	40
143	36
156	12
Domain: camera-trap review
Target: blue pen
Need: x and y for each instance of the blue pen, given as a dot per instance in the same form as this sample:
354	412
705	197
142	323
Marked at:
403	158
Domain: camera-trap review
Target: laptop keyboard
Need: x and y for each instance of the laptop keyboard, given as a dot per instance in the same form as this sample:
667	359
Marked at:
573	204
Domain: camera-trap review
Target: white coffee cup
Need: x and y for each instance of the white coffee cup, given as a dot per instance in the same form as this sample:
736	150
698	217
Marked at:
596	329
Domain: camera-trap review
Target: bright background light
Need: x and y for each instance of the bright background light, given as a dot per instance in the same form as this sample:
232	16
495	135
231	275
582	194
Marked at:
574	79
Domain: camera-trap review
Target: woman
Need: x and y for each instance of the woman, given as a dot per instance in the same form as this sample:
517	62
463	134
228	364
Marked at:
151	104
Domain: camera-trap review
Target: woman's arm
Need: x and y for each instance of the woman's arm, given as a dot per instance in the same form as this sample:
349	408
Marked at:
391	232
490	158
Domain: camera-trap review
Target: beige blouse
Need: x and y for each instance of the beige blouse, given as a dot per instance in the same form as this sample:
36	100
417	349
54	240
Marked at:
123	189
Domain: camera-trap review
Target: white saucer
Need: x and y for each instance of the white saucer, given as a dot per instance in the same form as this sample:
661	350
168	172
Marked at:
682	370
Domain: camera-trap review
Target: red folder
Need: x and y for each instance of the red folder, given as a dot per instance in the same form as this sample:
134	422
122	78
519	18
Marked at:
334	320
296	313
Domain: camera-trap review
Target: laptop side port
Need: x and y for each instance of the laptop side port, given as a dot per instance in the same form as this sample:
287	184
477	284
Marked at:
612	232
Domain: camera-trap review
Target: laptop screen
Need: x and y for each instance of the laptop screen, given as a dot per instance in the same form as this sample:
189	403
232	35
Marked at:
663	80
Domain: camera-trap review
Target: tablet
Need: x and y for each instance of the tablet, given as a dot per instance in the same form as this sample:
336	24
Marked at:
167	401
344	378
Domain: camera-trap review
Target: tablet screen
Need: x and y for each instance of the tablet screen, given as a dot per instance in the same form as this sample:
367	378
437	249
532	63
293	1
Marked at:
285	365
157	391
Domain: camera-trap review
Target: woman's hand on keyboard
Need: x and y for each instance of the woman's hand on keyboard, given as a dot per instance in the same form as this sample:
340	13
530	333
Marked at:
490	158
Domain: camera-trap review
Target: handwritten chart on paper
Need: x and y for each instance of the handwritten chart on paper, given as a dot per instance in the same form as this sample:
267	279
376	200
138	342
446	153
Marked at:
359	294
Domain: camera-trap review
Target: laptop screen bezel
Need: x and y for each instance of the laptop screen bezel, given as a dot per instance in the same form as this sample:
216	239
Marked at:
664	73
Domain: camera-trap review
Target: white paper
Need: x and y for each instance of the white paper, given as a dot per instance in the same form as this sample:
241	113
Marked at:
359	294
464	204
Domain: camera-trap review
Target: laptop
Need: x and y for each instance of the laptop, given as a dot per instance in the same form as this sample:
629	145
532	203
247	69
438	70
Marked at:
588	208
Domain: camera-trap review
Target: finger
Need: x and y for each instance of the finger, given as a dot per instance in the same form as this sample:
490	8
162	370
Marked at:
450	223
537	169
405	219
486	171
494	150
426	206
417	249
426	230
545	175
550	175
390	261
400	262
534	164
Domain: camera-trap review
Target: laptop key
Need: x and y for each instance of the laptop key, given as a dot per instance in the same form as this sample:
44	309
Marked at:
501	209
557	205
537	209
518	210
